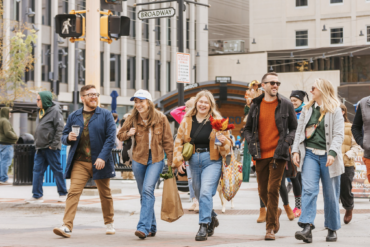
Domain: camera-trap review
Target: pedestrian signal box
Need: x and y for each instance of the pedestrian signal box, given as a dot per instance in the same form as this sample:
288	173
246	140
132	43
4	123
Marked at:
113	27
70	26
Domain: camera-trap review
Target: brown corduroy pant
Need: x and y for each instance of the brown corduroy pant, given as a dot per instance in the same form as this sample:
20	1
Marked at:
269	181
81	173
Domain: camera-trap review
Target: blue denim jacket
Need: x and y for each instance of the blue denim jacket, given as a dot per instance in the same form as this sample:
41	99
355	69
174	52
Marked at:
102	132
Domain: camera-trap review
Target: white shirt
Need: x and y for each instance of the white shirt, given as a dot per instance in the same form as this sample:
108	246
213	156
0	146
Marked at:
150	134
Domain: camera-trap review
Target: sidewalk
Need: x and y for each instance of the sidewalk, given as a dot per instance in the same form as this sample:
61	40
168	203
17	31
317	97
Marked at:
238	227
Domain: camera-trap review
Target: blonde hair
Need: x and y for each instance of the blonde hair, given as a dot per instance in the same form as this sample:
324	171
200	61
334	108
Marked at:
213	110
154	115
329	100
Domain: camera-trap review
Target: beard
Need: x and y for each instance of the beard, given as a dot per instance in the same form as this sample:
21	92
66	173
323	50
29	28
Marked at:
271	93
91	104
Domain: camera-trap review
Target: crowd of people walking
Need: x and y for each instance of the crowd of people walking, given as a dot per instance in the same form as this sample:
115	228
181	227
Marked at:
316	138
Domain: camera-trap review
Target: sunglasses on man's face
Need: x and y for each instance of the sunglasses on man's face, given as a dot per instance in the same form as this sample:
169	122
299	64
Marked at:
272	83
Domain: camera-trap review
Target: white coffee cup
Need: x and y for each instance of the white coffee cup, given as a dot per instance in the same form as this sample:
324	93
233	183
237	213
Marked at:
76	129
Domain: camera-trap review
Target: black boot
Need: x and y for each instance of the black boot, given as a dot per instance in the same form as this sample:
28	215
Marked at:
212	226
332	236
202	233
305	234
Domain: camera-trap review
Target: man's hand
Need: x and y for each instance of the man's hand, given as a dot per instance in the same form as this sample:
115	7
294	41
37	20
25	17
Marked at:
131	132
296	159
72	136
181	169
330	160
99	164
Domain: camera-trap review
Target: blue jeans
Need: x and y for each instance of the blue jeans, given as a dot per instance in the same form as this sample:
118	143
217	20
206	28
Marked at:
146	178
44	158
313	169
6	156
191	190
205	177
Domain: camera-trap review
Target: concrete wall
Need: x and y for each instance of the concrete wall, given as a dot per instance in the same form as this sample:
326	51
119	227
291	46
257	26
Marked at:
305	80
252	66
273	23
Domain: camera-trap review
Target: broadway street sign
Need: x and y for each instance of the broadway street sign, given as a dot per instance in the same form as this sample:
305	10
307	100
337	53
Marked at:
156	13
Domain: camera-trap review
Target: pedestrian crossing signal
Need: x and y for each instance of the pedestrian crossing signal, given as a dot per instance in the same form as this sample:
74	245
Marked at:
70	26
113	27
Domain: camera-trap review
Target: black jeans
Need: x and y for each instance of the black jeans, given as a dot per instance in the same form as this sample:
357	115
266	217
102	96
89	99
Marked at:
346	195
297	187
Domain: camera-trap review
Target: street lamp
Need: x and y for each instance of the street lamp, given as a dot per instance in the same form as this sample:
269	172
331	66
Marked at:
35	28
62	65
206	28
238	62
361	33
254	41
198	54
63	52
30	13
324	29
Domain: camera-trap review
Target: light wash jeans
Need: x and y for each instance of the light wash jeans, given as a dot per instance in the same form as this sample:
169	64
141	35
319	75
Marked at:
191	190
314	168
146	178
205	177
6	156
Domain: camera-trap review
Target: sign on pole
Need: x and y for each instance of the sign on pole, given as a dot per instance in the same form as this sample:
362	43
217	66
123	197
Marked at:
156	13
223	79
183	67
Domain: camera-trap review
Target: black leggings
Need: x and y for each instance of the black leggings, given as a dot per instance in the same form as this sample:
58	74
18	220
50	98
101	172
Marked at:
296	182
283	193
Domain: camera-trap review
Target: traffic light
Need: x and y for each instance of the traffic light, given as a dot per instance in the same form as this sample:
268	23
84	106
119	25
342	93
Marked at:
113	5
70	26
113	27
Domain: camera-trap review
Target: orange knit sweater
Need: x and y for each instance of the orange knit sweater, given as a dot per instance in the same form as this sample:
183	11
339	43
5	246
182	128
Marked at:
267	130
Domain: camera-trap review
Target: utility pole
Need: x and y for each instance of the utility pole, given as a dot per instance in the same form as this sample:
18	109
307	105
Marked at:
180	37
75	92
55	63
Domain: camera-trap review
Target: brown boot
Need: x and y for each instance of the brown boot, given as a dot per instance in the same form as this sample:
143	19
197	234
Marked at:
262	217
289	212
270	235
277	227
348	216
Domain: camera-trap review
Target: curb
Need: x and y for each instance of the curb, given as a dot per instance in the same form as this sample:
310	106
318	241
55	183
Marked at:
53	208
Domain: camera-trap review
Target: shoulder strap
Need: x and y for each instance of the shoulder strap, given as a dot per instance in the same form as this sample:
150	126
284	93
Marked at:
197	131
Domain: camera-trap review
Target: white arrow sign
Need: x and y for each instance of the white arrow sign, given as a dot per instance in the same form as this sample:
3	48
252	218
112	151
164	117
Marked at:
156	13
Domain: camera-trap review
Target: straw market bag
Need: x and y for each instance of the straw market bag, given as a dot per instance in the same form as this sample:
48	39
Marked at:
171	203
231	177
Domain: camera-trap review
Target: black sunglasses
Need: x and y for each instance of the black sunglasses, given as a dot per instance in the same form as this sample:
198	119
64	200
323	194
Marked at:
272	83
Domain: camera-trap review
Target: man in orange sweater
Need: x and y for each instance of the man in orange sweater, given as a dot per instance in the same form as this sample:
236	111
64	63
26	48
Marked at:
270	130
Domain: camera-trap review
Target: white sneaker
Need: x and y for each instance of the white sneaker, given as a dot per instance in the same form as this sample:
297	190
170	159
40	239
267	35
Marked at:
62	198
62	231
34	200
110	229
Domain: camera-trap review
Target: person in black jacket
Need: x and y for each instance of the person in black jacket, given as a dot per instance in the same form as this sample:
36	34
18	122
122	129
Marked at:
361	130
269	131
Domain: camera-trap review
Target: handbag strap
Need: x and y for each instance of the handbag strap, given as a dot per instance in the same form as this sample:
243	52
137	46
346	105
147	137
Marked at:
197	131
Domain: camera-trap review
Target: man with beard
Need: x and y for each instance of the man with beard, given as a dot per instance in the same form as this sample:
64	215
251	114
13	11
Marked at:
91	132
269	131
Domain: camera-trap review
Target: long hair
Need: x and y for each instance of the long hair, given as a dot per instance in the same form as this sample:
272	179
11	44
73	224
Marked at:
213	110
329	100
345	115
153	117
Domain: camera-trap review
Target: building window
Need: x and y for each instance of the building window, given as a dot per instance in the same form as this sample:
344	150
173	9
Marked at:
131	72
336	36
336	1
14	10
46	12
145	30
63	65
187	33
132	15
158	30
368	34
157	75
169	32
63	7
168	76
45	62
31	4
80	4
115	70
301	38
301	3
145	72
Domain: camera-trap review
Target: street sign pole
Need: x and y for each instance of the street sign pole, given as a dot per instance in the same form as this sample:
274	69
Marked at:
180	33
75	98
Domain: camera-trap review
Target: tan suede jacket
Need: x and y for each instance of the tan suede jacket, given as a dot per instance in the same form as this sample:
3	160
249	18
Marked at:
162	141
183	136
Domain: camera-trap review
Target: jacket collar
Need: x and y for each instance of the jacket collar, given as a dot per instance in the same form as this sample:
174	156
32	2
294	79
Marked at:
97	111
258	100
